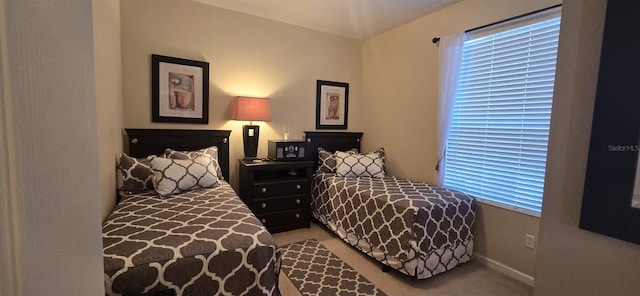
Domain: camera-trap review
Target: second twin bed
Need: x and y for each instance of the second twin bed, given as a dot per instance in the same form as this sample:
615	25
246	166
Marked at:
419	229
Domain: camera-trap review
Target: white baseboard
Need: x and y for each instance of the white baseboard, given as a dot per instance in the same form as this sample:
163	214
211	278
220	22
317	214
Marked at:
506	270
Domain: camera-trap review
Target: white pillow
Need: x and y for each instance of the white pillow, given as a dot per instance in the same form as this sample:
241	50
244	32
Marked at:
211	151
327	160
360	165
173	176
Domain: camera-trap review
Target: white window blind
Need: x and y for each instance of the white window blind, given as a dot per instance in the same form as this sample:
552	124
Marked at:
497	144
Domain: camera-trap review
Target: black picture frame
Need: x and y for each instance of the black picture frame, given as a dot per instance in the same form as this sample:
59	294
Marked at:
332	104
612	164
179	90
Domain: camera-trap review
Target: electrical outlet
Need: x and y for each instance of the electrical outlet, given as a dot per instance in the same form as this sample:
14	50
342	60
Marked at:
529	241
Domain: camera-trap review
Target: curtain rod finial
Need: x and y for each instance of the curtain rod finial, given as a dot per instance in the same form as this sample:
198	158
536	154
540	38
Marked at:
435	39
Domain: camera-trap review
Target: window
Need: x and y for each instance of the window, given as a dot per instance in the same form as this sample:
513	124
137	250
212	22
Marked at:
497	144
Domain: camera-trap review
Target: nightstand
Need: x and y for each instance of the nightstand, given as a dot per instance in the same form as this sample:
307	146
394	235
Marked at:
277	192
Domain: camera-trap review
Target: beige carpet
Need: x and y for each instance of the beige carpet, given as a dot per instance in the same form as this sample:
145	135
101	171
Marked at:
467	279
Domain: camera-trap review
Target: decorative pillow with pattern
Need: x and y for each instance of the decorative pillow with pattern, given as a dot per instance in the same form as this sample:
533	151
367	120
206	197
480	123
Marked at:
360	165
133	174
327	160
173	176
211	151
380	152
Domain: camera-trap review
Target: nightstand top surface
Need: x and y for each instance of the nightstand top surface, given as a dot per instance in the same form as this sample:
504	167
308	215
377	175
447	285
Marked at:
274	162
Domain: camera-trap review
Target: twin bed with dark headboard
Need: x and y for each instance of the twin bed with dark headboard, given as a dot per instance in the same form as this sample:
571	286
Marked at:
145	142
419	229
200	240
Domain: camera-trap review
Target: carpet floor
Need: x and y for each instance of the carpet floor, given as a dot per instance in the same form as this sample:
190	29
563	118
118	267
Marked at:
470	278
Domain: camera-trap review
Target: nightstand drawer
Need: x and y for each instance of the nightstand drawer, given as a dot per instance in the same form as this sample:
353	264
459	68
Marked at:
280	219
281	188
292	202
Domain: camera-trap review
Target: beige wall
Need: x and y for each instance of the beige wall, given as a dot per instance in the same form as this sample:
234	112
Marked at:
572	261
10	242
248	56
49	95
500	237
400	87
106	42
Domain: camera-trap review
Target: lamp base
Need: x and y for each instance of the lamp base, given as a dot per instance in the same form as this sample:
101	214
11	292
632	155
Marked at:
250	135
253	160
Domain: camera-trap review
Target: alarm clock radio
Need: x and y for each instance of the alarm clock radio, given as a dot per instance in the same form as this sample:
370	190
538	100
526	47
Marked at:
286	150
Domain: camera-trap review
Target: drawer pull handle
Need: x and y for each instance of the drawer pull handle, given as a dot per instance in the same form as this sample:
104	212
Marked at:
298	187
264	205
297	201
297	215
264	221
264	190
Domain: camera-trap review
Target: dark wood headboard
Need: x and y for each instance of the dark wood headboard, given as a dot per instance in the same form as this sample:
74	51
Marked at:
144	142
330	141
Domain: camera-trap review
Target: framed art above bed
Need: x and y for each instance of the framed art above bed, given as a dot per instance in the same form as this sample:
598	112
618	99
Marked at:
332	105
179	90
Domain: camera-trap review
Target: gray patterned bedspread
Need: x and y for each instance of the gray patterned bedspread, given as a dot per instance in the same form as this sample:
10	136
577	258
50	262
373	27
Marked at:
419	229
202	242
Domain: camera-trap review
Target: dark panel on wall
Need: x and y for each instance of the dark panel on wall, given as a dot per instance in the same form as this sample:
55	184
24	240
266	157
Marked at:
613	151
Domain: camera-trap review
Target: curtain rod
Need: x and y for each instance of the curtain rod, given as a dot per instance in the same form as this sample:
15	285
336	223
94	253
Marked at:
437	39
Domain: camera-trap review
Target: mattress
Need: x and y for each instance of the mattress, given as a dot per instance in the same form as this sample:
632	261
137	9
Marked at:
202	242
417	228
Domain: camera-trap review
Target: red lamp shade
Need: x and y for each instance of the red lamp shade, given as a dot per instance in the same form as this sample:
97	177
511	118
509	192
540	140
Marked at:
251	109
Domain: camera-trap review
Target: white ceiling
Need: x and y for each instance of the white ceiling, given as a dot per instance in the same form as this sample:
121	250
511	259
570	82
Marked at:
357	19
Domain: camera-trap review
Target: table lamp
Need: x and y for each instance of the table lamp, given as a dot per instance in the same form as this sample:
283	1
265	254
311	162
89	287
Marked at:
250	109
